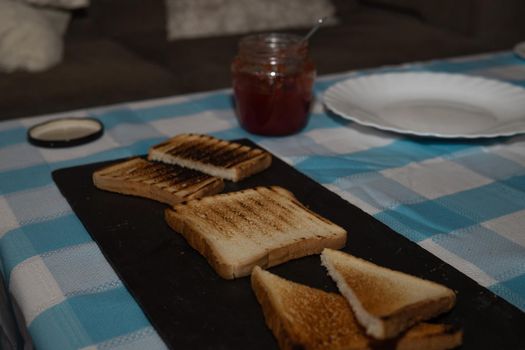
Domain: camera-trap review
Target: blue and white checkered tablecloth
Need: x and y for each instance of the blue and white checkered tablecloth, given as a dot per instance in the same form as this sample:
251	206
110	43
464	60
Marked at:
464	201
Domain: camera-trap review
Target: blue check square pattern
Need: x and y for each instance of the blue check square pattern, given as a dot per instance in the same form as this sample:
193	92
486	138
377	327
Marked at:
463	201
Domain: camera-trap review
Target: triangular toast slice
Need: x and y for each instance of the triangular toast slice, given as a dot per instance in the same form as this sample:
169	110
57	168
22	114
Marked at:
225	159
165	183
263	226
385	302
302	317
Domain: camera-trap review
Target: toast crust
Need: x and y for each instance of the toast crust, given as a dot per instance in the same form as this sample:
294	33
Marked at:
263	226
301	317
307	318
385	302
133	177
430	337
225	159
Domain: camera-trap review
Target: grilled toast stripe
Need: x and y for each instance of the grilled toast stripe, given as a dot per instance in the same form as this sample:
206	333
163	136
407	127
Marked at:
195	153
148	172
151	171
220	151
276	215
198	187
178	182
180	147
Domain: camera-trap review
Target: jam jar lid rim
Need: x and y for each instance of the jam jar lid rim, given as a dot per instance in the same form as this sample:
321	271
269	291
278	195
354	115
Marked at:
273	45
272	41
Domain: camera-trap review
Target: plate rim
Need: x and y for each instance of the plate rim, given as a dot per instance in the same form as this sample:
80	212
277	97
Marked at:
363	121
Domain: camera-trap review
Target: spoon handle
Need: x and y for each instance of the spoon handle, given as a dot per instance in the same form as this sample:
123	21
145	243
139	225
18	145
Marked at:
313	30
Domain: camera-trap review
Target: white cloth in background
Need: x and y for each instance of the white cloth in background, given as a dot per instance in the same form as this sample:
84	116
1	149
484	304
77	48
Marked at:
28	41
58	18
31	36
200	18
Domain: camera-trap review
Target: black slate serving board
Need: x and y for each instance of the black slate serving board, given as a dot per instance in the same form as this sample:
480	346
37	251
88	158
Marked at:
191	307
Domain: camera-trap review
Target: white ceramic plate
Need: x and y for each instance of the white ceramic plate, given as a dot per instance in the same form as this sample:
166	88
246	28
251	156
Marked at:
431	104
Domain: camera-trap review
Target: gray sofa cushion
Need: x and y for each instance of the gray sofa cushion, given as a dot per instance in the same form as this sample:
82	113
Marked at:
93	73
117	51
494	24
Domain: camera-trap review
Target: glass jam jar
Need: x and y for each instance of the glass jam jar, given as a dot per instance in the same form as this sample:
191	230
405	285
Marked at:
273	77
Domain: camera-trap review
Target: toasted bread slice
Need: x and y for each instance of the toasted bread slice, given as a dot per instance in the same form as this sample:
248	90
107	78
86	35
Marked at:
161	182
430	337
385	302
302	317
224	159
262	226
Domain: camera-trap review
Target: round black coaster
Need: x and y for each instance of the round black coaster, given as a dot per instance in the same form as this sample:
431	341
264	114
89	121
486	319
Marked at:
65	132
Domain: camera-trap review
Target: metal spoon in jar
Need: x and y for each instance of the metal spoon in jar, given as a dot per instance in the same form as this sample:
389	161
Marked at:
313	30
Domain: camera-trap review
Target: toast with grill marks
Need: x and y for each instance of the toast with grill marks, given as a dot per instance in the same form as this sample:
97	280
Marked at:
385	302
224	159
302	317
263	226
165	183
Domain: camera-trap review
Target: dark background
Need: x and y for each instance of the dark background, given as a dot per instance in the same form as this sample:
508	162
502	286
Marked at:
116	50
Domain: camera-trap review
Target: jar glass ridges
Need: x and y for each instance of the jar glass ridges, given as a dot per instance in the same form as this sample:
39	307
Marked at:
273	77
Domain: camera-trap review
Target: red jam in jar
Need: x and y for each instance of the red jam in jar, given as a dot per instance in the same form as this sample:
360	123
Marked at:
272	83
